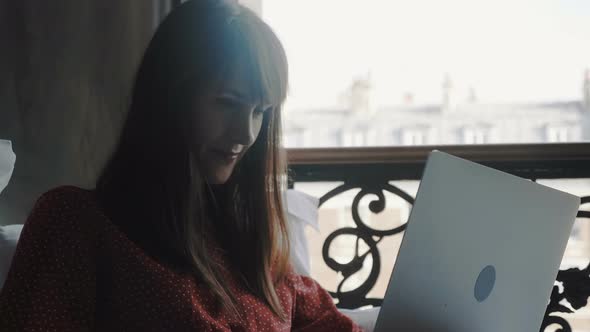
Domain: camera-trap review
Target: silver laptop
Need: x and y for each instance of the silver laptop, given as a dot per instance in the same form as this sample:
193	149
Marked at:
481	251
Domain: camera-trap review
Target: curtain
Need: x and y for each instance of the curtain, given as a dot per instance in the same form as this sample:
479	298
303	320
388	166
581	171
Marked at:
67	68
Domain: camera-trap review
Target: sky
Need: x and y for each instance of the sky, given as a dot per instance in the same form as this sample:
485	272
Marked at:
504	50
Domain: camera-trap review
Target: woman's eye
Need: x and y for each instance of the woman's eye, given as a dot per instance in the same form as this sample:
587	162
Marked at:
228	102
234	105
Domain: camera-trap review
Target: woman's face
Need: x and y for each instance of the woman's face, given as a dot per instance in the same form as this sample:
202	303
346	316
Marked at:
226	125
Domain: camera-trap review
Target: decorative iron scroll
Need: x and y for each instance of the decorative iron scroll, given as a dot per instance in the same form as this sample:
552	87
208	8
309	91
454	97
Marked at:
576	290
575	282
371	237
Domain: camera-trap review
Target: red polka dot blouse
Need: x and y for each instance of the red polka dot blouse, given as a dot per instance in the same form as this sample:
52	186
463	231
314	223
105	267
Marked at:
74	270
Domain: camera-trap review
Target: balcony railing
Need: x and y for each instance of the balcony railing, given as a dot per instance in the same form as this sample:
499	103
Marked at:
372	169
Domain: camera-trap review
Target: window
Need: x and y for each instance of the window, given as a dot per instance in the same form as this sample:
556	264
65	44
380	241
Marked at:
475	135
449	65
557	134
354	138
334	138
413	137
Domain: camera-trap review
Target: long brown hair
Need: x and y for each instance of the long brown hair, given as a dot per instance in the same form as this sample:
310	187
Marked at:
152	189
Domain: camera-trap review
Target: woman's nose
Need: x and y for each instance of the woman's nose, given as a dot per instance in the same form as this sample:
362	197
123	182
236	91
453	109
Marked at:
242	131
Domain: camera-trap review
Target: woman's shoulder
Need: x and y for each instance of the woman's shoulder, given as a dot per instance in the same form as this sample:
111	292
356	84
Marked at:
66	201
65	209
65	197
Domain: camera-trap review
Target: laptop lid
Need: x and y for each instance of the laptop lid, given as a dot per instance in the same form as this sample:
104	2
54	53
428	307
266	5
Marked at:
481	251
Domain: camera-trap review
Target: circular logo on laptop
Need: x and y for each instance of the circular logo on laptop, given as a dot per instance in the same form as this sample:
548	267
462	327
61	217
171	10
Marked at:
485	283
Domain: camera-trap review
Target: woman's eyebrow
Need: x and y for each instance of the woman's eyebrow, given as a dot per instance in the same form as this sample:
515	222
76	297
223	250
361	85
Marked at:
235	94
245	99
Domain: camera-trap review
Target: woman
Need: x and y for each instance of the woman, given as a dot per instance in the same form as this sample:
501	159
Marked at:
185	230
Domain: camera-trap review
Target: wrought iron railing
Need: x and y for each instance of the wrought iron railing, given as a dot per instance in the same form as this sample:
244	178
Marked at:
372	169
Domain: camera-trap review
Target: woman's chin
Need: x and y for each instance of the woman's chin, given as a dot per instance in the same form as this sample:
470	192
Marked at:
217	170
217	181
219	177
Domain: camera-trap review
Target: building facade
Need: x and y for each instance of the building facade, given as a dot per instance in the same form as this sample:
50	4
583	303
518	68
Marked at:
359	123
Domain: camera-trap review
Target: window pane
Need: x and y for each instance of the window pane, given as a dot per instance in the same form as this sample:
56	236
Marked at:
435	72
